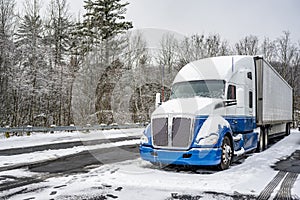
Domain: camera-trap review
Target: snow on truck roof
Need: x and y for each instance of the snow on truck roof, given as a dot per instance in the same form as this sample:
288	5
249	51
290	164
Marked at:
215	68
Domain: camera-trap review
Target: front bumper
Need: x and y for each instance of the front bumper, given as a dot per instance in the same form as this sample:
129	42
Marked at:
194	156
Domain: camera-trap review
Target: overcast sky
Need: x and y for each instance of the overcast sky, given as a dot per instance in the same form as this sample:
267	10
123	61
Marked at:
232	19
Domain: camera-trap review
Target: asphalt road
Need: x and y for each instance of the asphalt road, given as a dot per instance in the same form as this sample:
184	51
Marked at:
77	163
63	145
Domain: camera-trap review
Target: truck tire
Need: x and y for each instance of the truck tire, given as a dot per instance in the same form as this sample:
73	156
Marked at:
260	143
288	129
266	138
227	154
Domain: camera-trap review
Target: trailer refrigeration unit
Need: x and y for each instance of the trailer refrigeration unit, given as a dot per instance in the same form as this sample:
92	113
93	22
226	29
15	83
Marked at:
219	108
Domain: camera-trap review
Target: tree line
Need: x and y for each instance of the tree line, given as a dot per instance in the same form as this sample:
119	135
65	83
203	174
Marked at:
61	70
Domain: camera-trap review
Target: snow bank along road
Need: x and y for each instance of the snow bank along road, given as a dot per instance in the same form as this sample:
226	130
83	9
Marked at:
106	165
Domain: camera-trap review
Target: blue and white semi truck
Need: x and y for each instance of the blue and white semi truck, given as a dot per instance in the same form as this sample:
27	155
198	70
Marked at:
219	108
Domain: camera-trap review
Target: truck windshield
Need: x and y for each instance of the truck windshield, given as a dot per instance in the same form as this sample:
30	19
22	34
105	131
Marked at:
202	88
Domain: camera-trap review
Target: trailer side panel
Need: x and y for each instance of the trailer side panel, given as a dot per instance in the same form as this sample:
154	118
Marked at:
274	95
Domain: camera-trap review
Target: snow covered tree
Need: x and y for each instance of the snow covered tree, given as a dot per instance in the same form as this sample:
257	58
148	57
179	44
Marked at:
57	38
247	46
285	53
215	46
7	20
104	19
167	54
268	49
103	22
200	46
58	28
30	43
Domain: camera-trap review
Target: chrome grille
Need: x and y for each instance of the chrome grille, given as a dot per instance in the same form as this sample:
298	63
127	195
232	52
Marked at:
160	131
175	132
181	129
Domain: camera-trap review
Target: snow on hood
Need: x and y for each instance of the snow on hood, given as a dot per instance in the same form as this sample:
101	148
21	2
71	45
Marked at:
189	106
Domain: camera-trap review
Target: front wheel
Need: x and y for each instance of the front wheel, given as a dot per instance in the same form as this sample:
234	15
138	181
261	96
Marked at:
227	154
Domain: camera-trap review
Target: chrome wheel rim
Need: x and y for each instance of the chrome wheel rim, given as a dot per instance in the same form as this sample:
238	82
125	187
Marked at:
227	154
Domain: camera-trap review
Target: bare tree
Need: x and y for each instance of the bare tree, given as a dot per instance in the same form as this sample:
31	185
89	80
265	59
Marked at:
285	53
214	46
199	46
136	47
137	54
167	54
213	43
295	79
268	49
247	45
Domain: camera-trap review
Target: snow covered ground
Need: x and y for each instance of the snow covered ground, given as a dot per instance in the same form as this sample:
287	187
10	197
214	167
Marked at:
46	138
58	137
137	179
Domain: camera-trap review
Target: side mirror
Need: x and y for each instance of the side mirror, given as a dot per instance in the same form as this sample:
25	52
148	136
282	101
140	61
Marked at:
157	100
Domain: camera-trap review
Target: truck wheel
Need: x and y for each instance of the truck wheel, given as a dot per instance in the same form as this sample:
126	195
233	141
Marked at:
288	129
227	154
260	144
266	138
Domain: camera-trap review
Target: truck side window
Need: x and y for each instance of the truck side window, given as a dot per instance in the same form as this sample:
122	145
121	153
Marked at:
249	75
250	99
231	93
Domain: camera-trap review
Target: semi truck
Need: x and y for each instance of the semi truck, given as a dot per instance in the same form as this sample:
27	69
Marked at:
219	109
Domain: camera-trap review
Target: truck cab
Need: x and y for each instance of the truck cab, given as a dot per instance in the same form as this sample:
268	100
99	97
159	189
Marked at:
210	116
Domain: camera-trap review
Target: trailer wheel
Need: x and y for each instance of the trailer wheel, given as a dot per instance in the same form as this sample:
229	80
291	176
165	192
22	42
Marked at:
227	154
288	129
266	138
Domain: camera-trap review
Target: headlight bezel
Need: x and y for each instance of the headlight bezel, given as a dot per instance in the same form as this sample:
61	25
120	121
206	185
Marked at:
146	137
210	140
144	140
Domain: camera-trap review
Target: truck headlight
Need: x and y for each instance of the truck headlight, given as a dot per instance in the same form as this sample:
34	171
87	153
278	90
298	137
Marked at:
144	140
211	139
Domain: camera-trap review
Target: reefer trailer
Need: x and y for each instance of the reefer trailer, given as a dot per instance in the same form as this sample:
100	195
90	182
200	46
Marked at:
219	108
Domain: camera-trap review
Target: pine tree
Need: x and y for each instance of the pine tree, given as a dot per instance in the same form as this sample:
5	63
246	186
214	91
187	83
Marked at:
58	29
7	19
29	42
104	19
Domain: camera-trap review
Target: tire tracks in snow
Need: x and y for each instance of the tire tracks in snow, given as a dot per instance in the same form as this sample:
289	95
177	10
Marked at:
286	186
284	192
268	190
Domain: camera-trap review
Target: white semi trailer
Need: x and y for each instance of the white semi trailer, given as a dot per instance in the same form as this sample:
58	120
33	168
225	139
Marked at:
219	108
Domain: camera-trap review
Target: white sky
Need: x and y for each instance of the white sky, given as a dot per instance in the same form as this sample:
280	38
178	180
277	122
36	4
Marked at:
232	19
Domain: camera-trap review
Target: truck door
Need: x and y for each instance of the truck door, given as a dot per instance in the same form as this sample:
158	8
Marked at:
249	93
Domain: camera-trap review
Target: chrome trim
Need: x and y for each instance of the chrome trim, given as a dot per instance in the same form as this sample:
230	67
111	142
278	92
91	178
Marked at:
170	129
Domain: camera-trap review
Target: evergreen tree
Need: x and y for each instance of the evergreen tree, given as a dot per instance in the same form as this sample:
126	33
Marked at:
58	29
29	42
7	20
104	19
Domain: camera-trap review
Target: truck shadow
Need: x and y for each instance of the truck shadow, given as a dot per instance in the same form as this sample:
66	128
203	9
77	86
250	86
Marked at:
185	169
